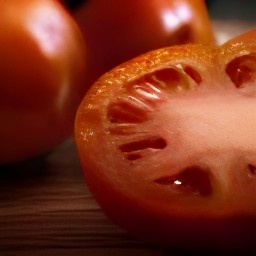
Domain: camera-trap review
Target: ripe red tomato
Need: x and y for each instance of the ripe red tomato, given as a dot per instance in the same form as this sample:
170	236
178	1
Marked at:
167	143
41	77
116	31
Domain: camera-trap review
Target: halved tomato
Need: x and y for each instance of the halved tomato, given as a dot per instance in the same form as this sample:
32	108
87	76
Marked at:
167	144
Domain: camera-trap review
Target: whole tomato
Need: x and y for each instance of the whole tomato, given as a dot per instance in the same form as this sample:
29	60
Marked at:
116	31
42	66
167	144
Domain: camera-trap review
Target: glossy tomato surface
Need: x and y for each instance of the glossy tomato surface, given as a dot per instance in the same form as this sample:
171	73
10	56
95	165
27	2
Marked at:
41	77
167	144
119	30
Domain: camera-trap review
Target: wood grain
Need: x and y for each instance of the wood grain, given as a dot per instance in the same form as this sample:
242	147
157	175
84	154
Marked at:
46	209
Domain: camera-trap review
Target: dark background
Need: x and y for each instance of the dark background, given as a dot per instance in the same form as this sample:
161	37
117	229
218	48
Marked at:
232	9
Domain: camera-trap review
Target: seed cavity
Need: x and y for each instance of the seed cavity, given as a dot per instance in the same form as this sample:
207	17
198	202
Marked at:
242	70
252	169
146	92
193	180
138	149
175	79
193	74
127	110
133	157
153	143
166	78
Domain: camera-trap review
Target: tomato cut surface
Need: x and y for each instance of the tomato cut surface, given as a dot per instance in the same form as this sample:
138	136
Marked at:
167	144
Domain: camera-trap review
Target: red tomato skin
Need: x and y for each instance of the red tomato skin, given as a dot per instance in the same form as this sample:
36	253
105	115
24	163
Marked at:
128	189
41	79
116	31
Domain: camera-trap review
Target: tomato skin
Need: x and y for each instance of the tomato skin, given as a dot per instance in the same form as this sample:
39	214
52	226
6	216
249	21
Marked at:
167	145
120	30
41	79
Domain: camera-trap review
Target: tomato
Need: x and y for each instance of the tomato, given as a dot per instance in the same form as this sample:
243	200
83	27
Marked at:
41	77
167	144
116	31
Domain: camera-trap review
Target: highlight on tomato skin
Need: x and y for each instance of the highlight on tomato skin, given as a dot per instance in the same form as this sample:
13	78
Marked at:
120	30
42	75
167	145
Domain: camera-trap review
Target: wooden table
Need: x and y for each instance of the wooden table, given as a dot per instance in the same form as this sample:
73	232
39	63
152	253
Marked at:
46	209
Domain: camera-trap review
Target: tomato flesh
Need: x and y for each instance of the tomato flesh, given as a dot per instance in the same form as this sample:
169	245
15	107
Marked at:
167	143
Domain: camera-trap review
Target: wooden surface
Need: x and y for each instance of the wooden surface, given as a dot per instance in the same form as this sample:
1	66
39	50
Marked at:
46	209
